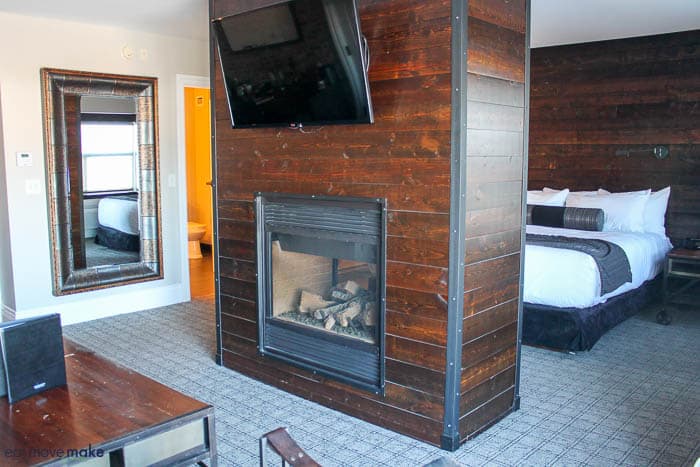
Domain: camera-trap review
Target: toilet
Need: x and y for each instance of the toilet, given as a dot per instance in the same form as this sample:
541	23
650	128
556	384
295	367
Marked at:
195	232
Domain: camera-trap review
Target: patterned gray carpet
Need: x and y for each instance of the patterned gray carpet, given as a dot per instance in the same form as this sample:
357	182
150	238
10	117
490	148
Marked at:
633	400
98	255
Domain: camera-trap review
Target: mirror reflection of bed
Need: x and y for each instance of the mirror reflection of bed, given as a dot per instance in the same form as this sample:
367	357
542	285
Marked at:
109	169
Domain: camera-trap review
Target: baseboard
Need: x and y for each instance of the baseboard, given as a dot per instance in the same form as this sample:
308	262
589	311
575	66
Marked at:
8	314
73	312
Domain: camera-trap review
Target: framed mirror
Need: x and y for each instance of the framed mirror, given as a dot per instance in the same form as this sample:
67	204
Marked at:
101	145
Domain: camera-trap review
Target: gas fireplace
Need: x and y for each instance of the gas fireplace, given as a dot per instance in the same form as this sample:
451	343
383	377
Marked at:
321	284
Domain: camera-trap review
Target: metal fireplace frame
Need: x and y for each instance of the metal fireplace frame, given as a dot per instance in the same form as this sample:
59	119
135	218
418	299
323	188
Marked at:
358	351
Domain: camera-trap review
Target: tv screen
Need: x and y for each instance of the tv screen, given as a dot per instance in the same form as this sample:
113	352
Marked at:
300	62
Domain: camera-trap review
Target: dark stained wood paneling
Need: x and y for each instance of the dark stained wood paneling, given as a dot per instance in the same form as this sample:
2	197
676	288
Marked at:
488	295
237	288
417	251
328	393
496	51
425	304
495	157
478	325
590	100
485	391
419	378
415	327
237	249
416	277
415	352
237	269
478	349
488	246
491	271
505	14
486	415
486	369
241	211
403	157
428	226
238	307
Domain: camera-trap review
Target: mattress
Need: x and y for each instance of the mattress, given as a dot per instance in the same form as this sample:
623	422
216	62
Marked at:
570	279
119	214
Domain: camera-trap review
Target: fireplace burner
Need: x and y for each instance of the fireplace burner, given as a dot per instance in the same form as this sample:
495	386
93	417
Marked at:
321	285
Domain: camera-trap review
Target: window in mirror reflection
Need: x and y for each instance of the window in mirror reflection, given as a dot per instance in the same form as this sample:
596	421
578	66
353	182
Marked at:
110	151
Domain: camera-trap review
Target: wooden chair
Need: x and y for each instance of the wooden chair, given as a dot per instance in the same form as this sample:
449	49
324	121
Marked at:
284	446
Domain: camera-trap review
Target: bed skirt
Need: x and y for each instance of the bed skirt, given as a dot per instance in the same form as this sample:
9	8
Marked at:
577	329
116	239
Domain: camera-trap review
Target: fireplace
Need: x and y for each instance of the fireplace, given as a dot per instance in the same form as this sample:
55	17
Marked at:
321	285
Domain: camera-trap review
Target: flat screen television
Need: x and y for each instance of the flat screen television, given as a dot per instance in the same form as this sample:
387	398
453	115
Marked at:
298	62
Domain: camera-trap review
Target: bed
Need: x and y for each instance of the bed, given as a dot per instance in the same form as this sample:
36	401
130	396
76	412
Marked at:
118	223
565	307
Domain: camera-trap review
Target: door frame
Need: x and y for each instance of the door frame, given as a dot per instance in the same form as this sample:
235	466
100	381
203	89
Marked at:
182	82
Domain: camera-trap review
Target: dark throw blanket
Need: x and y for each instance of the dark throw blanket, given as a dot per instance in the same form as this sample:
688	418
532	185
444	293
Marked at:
613	265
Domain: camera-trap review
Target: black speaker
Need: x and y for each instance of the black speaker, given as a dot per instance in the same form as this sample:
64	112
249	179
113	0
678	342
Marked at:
32	354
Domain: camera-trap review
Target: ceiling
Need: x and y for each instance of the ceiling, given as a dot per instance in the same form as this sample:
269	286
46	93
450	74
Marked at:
557	22
182	18
554	22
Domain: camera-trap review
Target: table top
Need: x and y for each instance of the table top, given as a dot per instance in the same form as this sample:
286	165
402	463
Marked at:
101	402
684	253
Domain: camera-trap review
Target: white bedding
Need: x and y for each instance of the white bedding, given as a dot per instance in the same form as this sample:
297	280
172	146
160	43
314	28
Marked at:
119	214
566	278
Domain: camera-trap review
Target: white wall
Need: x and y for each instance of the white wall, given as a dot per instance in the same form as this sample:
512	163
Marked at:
29	44
7	293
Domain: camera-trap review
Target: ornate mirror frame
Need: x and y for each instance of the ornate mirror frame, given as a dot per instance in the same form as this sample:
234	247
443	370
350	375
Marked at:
61	89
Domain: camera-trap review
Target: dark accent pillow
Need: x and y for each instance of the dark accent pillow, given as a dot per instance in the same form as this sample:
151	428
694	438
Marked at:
568	218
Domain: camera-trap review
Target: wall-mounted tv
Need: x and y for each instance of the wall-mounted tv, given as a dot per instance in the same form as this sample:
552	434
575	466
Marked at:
298	62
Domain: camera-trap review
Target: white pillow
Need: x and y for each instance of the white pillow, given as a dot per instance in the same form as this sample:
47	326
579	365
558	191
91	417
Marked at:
552	190
599	191
623	212
655	212
557	198
639	192
587	193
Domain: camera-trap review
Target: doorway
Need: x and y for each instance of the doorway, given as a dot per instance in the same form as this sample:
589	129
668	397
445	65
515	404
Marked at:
197	126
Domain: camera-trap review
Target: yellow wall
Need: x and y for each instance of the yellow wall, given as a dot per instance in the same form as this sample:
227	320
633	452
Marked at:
197	141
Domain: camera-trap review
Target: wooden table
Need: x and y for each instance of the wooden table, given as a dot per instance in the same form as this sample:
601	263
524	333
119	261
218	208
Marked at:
683	264
132	419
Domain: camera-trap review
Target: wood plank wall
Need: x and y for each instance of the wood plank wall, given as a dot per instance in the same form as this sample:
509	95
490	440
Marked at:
495	121
404	157
590	100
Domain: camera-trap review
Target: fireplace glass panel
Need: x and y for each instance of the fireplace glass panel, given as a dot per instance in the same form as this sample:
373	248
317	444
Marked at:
320	263
328	285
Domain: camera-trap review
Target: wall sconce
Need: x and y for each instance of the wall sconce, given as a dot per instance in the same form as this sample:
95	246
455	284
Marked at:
659	152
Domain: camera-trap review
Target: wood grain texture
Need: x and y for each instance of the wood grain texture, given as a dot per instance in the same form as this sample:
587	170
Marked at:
495	158
101	402
403	157
590	100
